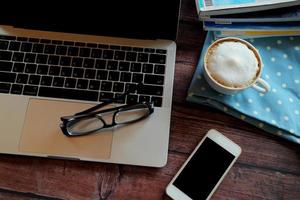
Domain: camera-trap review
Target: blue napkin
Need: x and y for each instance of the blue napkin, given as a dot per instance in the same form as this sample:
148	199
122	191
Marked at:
276	112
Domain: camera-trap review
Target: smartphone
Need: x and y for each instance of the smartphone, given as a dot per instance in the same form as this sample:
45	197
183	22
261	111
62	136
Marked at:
205	168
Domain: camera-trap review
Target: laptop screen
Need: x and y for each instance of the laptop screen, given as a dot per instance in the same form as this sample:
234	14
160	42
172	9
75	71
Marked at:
151	19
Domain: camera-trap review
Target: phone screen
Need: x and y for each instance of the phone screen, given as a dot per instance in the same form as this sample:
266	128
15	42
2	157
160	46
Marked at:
204	170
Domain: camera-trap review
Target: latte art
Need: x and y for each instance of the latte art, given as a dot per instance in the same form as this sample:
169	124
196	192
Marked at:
232	64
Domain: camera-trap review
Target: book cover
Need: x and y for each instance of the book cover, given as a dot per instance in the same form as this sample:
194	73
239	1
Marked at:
274	15
220	7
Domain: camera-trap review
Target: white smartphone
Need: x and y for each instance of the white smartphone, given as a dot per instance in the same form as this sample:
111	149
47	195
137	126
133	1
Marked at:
206	167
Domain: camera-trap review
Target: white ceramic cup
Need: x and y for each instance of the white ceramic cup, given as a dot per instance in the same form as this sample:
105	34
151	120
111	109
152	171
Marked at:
258	83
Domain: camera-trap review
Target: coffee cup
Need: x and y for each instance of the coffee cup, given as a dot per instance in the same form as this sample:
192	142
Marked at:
232	65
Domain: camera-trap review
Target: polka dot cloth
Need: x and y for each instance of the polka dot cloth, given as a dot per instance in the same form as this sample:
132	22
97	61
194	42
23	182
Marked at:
278	111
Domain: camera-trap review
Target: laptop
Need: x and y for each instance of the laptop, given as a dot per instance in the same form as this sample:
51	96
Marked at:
56	60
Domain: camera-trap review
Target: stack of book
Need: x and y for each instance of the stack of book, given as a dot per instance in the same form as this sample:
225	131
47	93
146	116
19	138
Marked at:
250	18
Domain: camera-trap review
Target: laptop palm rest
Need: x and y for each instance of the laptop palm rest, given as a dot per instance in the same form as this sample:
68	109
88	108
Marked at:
42	135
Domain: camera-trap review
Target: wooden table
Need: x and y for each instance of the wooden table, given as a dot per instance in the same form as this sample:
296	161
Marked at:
269	167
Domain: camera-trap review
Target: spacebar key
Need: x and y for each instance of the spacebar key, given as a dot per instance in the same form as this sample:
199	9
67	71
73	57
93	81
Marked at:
68	94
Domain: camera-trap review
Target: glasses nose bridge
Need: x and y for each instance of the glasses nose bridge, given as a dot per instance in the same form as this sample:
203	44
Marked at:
107	118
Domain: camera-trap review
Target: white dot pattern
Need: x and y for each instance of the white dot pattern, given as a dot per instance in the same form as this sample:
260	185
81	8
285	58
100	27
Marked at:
276	111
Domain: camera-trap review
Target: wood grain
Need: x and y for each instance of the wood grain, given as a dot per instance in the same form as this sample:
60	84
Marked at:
269	167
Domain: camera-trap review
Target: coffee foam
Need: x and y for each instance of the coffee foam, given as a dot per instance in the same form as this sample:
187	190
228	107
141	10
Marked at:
232	64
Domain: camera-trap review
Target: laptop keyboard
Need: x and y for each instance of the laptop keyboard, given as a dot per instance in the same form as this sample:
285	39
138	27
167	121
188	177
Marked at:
80	71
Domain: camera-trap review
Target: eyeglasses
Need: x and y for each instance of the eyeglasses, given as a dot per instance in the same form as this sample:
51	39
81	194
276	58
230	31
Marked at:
91	121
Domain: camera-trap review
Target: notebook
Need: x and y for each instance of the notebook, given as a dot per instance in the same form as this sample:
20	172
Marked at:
56	60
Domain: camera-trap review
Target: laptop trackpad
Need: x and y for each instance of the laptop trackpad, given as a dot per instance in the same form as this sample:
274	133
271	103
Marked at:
42	135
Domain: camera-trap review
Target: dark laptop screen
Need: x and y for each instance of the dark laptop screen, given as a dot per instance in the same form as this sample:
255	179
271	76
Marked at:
126	18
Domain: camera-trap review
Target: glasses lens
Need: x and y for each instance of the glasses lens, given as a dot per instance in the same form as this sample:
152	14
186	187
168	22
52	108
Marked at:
131	114
85	126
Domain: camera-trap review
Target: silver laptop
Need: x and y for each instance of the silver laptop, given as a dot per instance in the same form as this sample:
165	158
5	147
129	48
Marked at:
57	60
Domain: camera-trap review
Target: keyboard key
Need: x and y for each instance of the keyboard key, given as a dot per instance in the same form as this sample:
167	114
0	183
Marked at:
56	42
119	55
18	67
53	60
78	72
112	65
49	49
130	86
45	41
96	53
3	44
131	99
114	76
61	50
92	45
35	40
5	66
16	89
84	52
68	93
90	74
125	77
42	69
22	78
30	58
106	86
69	43
41	59
104	96
17	56
116	47
138	49
143	98
80	44
124	66
94	85
125	48
82	84
147	68
7	77
73	51
135	67
161	51
77	62
150	90
24	39
118	87
5	55
54	70
157	101
137	78
4	87
30	90
38	48
58	82
30	68
119	98
101	75
14	46
131	56
108	54
66	71
157	58
149	50
65	61
159	69
100	64
143	57
153	79
70	82
103	46
46	80
26	47
34	80
88	63
7	37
